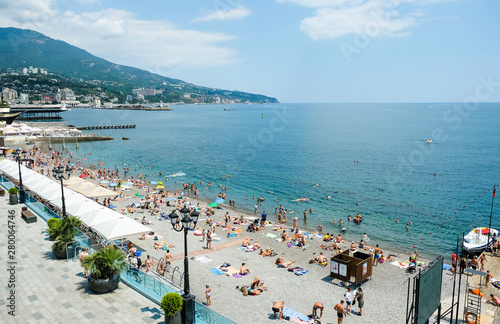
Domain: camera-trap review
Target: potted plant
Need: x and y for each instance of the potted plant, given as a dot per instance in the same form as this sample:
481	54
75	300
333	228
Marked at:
104	268
171	303
13	196
53	224
64	234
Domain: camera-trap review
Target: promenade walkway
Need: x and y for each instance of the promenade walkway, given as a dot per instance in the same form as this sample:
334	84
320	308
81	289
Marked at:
48	290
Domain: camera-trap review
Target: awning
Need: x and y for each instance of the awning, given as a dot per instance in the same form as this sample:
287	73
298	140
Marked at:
121	227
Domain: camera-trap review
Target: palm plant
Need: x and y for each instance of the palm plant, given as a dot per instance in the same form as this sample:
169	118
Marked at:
105	263
64	232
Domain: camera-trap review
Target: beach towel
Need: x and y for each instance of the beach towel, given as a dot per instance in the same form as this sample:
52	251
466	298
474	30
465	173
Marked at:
202	259
301	272
446	266
239	275
217	271
294	314
229	270
270	235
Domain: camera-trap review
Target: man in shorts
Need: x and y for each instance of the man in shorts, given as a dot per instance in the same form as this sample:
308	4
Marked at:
340	311
377	252
278	308
317	305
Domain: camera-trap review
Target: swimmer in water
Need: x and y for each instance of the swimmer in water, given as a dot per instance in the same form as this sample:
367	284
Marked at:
317	185
329	197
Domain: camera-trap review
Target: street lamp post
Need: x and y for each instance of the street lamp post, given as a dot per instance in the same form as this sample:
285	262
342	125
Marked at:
58	173
17	156
185	223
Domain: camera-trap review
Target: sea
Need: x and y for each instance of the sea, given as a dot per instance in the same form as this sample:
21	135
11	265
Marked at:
372	159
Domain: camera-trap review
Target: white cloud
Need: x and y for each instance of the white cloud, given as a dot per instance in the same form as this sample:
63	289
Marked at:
120	37
225	14
336	18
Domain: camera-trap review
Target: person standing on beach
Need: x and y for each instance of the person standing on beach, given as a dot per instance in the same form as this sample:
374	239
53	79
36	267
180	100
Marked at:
209	240
361	300
207	293
348	300
340	311
255	208
295	226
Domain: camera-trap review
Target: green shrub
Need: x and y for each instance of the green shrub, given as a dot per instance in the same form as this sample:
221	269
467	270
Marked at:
13	191
171	303
64	232
53	222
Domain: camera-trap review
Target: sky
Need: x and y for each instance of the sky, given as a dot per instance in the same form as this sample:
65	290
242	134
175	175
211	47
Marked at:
310	51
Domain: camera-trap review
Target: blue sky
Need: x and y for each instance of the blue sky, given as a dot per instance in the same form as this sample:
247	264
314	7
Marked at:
295	50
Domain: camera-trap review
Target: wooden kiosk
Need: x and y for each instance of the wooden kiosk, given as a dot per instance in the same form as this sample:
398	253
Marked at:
345	265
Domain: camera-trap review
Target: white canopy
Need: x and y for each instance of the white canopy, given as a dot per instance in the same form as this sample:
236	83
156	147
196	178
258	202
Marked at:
121	227
107	222
98	191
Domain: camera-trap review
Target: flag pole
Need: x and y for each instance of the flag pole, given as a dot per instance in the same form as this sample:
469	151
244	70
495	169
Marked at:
491	215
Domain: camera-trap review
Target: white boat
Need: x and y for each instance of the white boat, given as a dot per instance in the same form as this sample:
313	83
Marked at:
228	108
428	141
477	239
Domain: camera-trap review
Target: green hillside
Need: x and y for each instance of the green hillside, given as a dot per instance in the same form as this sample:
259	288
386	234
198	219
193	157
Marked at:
21	48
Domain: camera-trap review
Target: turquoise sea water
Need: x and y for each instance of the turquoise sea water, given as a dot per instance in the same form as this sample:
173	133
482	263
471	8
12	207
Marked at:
282	151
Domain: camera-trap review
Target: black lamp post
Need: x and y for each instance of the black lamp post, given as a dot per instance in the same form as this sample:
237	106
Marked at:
17	156
58	174
178	225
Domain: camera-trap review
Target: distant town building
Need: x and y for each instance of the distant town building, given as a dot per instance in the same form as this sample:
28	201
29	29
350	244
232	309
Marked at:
9	95
130	98
24	98
50	97
68	94
25	71
146	92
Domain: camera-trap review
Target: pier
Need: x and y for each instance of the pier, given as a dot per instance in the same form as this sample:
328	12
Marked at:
105	127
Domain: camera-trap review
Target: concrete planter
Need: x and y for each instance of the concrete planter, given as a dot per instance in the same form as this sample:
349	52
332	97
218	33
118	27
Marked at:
60	254
13	199
176	319
103	286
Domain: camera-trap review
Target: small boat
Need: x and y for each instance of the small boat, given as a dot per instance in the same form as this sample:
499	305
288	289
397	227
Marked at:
428	141
477	239
228	108
125	138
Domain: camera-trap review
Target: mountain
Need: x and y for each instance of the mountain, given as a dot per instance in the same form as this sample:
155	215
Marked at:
22	48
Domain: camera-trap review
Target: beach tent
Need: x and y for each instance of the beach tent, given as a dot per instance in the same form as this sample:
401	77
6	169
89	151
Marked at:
87	205
94	217
120	228
84	187
51	189
55	193
73	182
72	199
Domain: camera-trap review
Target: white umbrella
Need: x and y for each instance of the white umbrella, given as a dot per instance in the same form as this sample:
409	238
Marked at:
55	194
99	191
50	190
120	227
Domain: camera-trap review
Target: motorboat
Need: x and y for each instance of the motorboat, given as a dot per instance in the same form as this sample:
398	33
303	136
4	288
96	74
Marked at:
477	239
428	141
228	108
125	138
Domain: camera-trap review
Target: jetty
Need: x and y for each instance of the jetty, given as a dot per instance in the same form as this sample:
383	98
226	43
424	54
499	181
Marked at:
105	127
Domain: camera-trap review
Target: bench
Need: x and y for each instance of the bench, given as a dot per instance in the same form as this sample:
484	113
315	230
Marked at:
28	216
2	192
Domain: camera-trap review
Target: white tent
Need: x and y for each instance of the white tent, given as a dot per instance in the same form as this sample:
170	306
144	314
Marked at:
87	205
83	187
73	181
95	217
73	199
121	227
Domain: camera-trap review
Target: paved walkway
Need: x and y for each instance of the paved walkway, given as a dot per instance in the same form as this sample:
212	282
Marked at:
54	291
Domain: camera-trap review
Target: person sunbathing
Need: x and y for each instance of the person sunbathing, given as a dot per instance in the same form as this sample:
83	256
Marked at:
286	264
302	241
246	242
284	236
267	252
244	270
255	283
257	291
256	246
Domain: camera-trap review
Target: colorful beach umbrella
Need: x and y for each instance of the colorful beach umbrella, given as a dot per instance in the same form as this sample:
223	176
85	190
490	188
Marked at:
83	175
113	184
128	183
105	181
219	201
159	187
214	204
154	182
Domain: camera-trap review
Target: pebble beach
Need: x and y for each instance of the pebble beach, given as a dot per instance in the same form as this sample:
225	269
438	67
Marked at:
385	292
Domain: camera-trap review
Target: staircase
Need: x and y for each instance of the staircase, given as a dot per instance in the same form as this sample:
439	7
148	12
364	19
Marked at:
473	302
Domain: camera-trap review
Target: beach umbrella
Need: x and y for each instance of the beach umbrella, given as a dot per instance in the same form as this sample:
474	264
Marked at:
105	181
128	183
83	175
214	204
154	182
120	227
219	200
160	187
170	199
113	184
87	205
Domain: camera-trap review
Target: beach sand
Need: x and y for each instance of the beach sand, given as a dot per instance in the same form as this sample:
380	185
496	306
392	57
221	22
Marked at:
385	292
